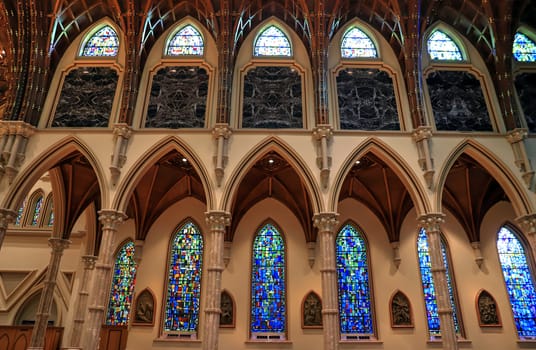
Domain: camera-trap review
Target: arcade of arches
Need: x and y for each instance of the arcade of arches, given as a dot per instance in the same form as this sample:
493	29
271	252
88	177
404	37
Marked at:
267	174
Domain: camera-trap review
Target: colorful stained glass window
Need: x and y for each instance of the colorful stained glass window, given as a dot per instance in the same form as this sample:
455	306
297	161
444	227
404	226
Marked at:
186	41
357	44
37	210
123	280
441	47
272	42
355	309
103	43
20	213
184	280
524	48
429	287
50	221
519	282
268	302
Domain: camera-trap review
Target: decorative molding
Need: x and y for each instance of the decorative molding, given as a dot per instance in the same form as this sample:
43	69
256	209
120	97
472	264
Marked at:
221	133
311	253
516	138
122	133
323	134
479	259
13	142
396	253
422	136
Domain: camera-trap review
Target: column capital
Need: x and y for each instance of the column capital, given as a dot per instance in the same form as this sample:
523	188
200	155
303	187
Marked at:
218	219
18	127
516	135
7	216
123	130
221	130
58	245
110	218
432	221
422	133
89	261
323	130
326	222
528	223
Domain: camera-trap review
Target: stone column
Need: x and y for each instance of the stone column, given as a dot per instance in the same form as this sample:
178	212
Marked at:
326	224
43	311
98	297
528	224
431	223
81	305
217	221
6	217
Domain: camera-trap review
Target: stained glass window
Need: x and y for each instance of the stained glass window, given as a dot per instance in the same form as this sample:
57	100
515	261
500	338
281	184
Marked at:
441	47
50	221
268	302
184	280
272	42
123	280
37	210
519	282
524	48
357	44
353	282
429	287
20	213
187	41
103	43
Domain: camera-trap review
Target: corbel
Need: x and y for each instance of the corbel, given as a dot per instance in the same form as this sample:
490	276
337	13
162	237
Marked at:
15	135
122	133
422	137
322	134
396	253
311	253
516	138
221	133
479	259
227	252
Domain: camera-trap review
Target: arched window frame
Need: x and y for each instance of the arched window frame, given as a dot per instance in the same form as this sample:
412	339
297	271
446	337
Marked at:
48	212
176	31
268	336
529	258
90	34
359	336
450	271
370	36
31	208
182	334
19	219
260	33
130	300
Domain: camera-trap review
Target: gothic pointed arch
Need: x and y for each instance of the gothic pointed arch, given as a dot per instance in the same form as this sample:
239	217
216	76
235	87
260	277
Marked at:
356	43
442	44
272	42
35	208
185	41
102	41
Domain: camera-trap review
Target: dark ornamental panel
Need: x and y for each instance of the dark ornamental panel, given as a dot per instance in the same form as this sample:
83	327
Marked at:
457	101
366	100
272	98
86	98
526	90
178	98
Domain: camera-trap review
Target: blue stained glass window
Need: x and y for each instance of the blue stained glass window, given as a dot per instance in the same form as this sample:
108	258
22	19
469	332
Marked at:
357	44
187	41
103	43
441	47
272	42
50	221
268	297
353	282
429	287
184	280
123	280
524	49
519	282
20	213
37	210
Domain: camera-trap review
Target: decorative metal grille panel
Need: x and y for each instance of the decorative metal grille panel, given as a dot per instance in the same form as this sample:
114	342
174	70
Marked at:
526	90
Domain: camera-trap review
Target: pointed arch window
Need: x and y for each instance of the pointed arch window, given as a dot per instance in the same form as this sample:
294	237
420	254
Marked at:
441	47
20	213
355	307
524	48
272	42
183	290
428	285
49	219
103	43
36	210
186	42
268	285
357	44
519	282
123	280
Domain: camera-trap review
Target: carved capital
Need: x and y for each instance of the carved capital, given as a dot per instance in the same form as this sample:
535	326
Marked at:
528	223
516	135
89	261
221	130
24	129
422	133
218	220
326	222
7	216
323	131
58	245
110	219
123	130
432	221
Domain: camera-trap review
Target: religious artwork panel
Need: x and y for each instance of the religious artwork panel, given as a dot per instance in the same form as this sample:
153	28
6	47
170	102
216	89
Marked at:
145	307
526	91
457	101
401	314
178	98
227	307
272	98
312	311
86	98
366	100
487	310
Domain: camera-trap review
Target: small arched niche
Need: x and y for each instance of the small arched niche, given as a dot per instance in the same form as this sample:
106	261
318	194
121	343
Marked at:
312	311
400	309
487	310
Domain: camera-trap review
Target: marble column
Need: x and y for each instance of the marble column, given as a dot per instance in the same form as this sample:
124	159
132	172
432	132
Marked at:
81	304
327	224
217	221
431	223
58	245
528	224
6	217
98	297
